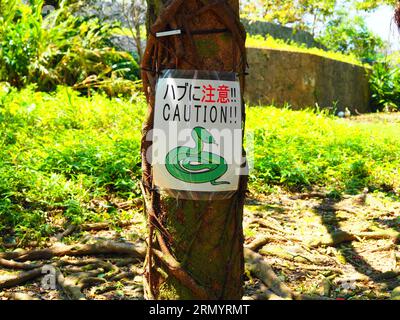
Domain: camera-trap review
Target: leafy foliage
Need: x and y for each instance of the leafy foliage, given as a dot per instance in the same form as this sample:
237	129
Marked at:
59	49
385	86
368	5
61	154
303	14
352	36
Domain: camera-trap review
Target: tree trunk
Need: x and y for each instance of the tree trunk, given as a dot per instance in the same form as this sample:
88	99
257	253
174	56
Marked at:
195	247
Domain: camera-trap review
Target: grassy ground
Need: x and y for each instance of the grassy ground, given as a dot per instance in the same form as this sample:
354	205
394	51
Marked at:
300	150
66	158
323	207
59	155
271	43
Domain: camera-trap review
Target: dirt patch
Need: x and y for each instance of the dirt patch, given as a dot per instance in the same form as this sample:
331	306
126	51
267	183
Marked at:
320	248
344	248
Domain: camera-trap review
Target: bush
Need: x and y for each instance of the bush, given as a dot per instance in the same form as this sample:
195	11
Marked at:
385	86
60	49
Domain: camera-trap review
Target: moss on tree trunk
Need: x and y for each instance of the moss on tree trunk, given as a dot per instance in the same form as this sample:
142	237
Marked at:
206	236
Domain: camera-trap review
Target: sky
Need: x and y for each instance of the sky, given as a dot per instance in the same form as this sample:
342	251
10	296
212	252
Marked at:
381	22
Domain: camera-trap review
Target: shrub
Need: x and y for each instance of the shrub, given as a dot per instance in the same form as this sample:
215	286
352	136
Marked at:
385	86
60	49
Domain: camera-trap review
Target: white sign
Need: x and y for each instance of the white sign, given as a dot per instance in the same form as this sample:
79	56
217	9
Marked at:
197	137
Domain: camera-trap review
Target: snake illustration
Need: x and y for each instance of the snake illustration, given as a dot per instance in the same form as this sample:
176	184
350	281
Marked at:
193	165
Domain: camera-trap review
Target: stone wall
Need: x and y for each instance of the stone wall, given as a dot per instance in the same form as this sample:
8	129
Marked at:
304	80
264	28
277	77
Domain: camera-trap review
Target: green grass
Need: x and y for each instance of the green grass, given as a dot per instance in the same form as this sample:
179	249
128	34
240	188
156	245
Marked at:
64	157
60	152
277	44
304	149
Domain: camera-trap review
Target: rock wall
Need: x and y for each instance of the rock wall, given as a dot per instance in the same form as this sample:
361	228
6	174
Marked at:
276	77
303	80
281	32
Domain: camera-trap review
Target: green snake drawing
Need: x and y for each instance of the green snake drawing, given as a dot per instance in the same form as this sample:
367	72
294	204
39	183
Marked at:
193	165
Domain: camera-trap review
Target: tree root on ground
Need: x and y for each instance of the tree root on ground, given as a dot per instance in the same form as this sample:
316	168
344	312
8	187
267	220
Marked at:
70	286
10	264
80	274
339	237
276	289
257	265
19	296
260	241
98	226
103	247
17	279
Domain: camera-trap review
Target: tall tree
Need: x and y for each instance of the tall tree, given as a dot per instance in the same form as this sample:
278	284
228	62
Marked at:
368	5
305	14
135	14
302	14
195	247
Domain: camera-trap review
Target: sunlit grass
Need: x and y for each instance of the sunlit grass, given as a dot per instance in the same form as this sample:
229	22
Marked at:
62	152
269	42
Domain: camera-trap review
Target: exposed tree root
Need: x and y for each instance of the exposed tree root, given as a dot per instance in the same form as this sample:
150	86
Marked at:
333	240
104	225
318	268
380	234
70	287
175	269
134	271
260	241
274	226
309	297
266	294
79	274
339	237
17	279
88	282
20	296
104	247
93	263
10	264
90	227
104	289
70	229
90	264
257	265
82	277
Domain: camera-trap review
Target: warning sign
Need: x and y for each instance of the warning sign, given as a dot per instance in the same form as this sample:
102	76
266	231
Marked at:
197	138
